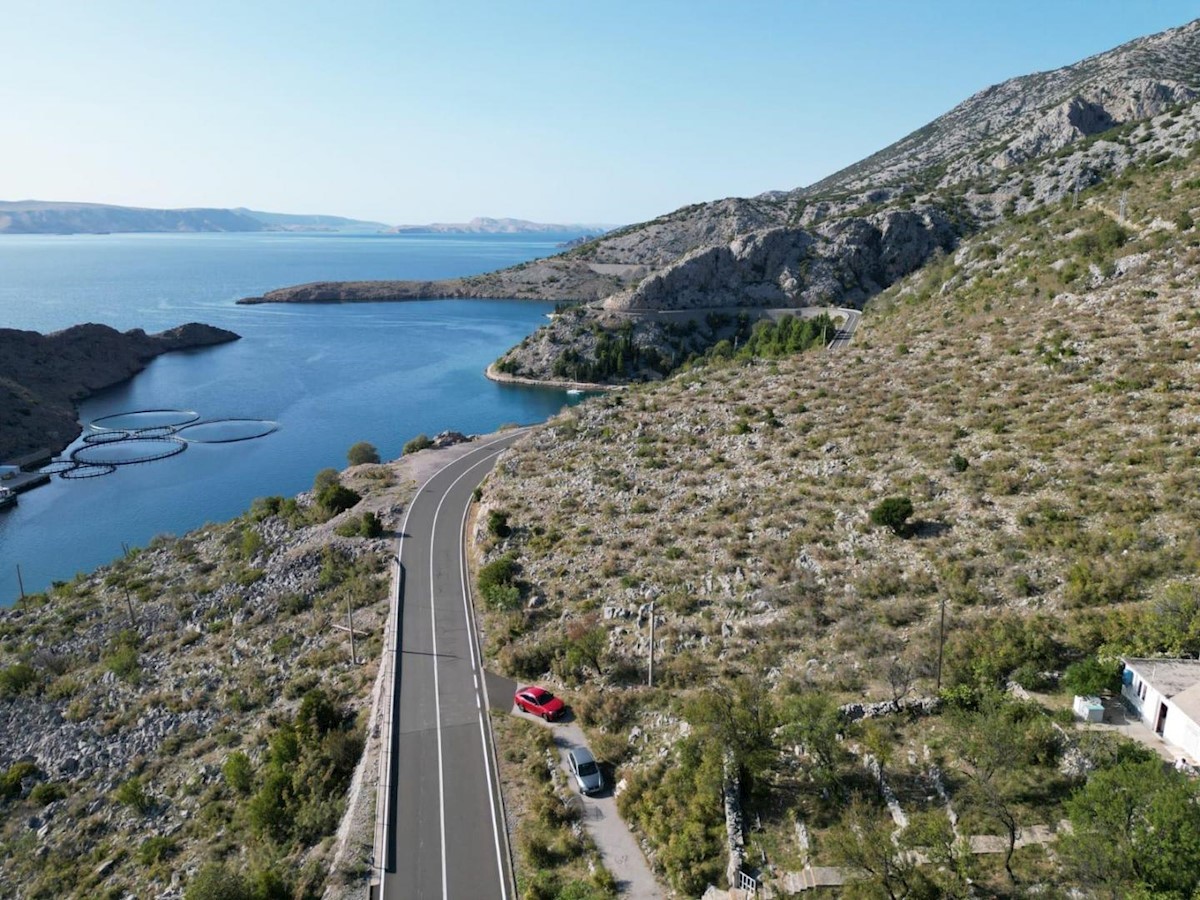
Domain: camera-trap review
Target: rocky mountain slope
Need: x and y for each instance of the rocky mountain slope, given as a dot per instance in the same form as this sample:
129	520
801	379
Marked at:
1033	394
1030	141
191	715
488	225
43	376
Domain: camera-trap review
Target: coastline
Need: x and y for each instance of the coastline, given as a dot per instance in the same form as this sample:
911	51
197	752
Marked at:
504	378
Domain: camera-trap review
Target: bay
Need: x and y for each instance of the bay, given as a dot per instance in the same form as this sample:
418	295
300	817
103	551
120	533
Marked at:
329	375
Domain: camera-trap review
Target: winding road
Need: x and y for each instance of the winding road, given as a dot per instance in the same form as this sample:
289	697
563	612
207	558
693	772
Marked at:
442	823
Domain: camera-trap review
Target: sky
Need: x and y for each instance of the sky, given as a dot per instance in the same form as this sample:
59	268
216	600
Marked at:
416	111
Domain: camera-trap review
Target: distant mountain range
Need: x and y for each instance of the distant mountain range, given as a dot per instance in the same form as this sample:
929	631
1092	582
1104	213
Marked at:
47	217
484	225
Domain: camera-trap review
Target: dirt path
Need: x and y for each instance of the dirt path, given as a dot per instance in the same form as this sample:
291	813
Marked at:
620	851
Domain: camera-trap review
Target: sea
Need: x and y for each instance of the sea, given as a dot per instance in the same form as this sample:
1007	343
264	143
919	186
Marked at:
326	375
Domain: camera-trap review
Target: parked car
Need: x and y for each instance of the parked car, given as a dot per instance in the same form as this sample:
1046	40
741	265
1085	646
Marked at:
583	766
540	702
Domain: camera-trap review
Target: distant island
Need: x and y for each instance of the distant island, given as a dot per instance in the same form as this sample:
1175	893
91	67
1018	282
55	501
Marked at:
42	377
484	225
54	217
44	217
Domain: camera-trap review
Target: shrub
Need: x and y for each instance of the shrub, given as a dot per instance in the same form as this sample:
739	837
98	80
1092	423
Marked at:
892	513
133	795
497	583
325	479
47	792
498	523
335	499
238	772
370	526
155	849
10	781
17	679
417	444
217	882
361	453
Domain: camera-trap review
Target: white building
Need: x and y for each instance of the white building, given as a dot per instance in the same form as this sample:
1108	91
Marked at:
1165	693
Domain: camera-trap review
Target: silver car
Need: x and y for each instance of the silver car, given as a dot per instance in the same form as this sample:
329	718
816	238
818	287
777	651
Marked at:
583	766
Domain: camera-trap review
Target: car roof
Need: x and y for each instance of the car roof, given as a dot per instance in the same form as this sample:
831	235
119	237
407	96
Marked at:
582	754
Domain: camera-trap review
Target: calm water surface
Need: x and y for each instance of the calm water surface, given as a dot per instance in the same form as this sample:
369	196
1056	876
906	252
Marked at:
330	375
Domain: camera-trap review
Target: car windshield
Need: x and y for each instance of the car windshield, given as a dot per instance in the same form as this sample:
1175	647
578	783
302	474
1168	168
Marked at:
542	697
587	768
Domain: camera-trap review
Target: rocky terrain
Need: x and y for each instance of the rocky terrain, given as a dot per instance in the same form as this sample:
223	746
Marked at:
1033	395
125	694
43	376
1026	142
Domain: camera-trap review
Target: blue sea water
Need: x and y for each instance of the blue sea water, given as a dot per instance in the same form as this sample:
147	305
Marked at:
330	375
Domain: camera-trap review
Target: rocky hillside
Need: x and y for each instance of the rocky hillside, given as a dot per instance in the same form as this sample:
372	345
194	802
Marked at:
191	715
1033	396
1029	141
43	376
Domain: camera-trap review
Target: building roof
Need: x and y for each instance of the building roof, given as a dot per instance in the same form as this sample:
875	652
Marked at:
1167	676
1188	702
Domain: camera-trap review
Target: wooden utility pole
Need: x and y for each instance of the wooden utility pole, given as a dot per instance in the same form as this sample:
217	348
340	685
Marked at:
350	628
941	642
129	606
651	643
20	581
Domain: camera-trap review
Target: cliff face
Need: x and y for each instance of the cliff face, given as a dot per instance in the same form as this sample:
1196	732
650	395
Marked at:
42	376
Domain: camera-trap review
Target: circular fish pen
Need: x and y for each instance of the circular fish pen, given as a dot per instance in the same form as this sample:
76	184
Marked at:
226	431
129	451
145	419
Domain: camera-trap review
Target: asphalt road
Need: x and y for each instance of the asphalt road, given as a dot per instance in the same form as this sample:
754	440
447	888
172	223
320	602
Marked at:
447	836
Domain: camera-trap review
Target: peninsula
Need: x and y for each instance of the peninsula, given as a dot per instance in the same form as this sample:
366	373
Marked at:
42	377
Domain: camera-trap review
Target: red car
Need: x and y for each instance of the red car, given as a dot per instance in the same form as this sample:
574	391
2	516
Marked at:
539	701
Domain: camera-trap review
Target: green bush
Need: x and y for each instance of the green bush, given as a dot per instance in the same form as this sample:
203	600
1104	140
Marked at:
133	795
17	679
498	585
336	498
217	882
893	513
156	849
417	444
361	453
10	781
239	774
498	524
47	792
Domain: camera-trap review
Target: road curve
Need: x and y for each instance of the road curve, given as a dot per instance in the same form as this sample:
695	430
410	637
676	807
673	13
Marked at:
445	829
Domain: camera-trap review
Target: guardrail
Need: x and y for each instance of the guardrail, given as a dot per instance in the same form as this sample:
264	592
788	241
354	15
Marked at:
388	698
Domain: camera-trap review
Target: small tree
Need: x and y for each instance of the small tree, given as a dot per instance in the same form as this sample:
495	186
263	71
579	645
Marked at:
239	774
362	452
1090	677
498	523
893	513
325	478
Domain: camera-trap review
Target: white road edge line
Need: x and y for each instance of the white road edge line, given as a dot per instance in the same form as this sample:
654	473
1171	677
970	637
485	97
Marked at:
396	650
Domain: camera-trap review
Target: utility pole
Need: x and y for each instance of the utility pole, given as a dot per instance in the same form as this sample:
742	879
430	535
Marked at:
20	581
129	606
651	643
350	628
1124	204
941	642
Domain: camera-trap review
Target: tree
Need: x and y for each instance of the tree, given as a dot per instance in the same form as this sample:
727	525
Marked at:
1090	677
740	718
362	452
587	645
337	498
864	841
1135	826
893	513
812	720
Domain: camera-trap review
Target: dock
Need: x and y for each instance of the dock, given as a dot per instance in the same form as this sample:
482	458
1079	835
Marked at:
26	481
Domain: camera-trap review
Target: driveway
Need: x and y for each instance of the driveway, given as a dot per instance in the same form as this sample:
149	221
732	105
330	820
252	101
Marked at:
618	849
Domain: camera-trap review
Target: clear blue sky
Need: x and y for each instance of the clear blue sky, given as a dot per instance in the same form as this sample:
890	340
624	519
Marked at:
410	112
